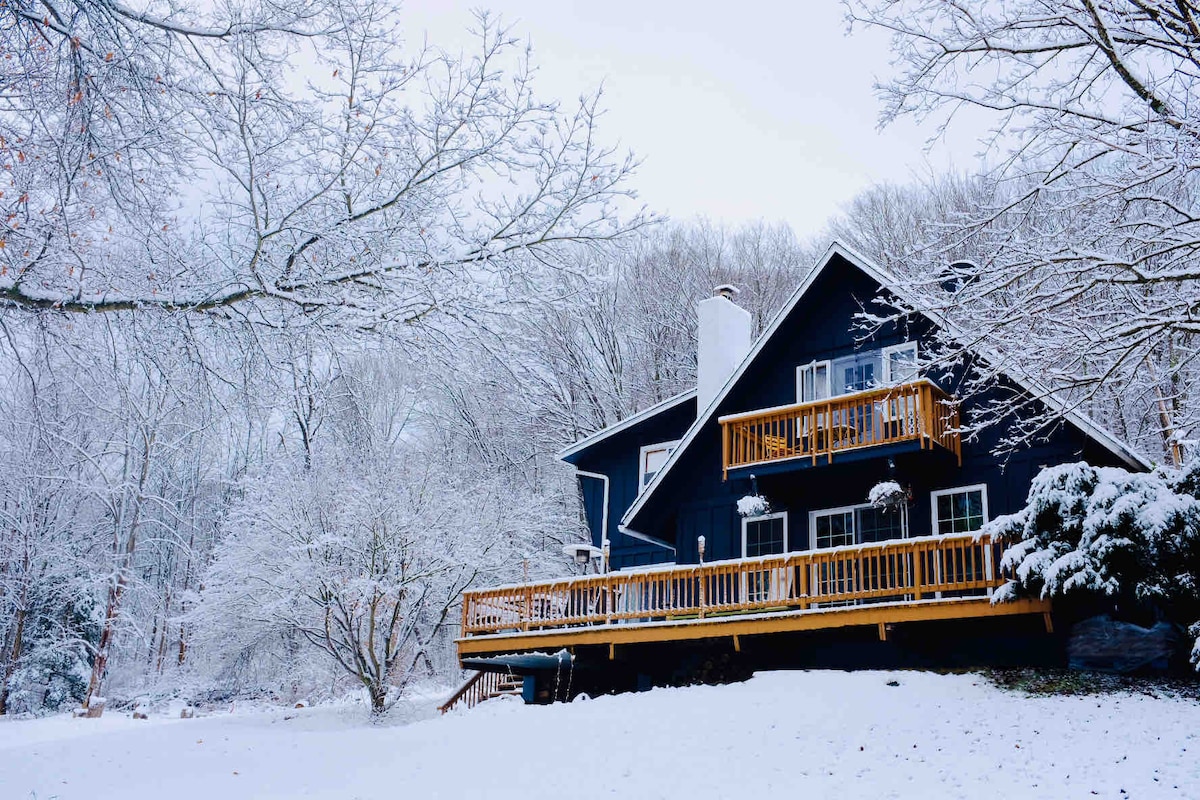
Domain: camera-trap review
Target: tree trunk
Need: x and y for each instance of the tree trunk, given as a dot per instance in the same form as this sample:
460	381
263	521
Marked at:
378	692
115	593
1166	420
10	665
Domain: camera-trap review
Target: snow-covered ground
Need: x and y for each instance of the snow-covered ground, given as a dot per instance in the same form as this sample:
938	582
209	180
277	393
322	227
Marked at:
798	734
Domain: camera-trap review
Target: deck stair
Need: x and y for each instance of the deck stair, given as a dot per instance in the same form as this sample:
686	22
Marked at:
484	686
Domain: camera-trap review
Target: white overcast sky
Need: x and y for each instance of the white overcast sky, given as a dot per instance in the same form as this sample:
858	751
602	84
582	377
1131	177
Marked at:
739	110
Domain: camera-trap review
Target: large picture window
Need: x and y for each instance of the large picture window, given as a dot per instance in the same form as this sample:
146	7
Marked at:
960	510
651	460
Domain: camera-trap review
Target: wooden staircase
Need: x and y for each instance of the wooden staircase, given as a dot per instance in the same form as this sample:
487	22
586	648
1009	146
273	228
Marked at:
484	686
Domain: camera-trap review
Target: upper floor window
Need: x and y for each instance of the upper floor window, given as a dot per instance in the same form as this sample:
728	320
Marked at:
651	460
899	363
960	510
856	372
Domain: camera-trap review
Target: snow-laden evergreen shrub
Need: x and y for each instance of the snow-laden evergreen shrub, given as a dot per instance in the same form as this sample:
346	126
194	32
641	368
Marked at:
56	659
1131	538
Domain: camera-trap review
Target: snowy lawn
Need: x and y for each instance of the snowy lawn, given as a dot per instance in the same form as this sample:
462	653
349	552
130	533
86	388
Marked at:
805	734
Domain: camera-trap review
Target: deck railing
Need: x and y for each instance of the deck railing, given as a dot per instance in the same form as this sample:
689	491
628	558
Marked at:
917	411
899	570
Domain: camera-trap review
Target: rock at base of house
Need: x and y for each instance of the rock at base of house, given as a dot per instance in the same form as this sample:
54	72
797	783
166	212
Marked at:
1103	644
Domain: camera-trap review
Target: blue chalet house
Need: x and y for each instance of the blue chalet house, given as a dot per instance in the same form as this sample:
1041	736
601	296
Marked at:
810	503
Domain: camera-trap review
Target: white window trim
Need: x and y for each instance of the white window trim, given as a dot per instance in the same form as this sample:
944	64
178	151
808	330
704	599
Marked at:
934	495
668	446
886	354
774	515
828	365
821	512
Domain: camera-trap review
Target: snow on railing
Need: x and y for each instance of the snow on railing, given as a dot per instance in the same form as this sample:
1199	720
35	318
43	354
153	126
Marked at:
917	411
897	570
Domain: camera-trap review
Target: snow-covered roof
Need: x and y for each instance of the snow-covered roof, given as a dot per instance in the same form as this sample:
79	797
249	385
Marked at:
886	280
625	424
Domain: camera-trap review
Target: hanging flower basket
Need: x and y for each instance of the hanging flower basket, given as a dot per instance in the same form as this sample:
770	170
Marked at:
753	505
887	494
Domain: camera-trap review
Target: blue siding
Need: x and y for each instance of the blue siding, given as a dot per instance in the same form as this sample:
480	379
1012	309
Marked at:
693	500
617	457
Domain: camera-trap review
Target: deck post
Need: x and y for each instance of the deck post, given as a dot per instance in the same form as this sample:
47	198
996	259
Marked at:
725	454
609	599
917	576
804	568
527	615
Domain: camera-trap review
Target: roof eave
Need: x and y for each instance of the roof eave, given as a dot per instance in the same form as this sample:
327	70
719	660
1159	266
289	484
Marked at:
568	453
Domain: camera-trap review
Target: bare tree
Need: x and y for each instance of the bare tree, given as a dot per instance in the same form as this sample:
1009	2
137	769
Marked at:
178	164
364	550
1090	225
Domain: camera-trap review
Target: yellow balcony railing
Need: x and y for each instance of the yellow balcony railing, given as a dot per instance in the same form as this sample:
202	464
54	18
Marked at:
917	411
897	571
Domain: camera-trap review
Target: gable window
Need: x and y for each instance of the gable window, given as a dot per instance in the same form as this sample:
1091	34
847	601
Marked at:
857	372
812	382
838	527
651	460
960	510
900	363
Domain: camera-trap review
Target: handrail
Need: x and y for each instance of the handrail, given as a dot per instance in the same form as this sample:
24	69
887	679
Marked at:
902	569
915	411
481	686
462	692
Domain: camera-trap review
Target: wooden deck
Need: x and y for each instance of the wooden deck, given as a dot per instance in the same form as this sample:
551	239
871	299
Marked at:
909	580
917	411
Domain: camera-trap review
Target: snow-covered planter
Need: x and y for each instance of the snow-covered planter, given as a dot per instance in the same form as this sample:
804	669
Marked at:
886	494
753	505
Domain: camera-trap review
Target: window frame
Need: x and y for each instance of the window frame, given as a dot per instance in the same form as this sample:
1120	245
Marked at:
649	448
934	520
885	373
827	364
852	510
886	355
822	512
760	518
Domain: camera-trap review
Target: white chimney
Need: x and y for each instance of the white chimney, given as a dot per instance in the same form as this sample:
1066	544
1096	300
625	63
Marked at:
724	342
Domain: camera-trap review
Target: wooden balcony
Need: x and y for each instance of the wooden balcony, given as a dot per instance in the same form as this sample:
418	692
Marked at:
917	411
930	578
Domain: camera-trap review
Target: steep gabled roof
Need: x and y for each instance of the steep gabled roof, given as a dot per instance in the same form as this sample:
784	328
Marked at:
887	281
567	453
